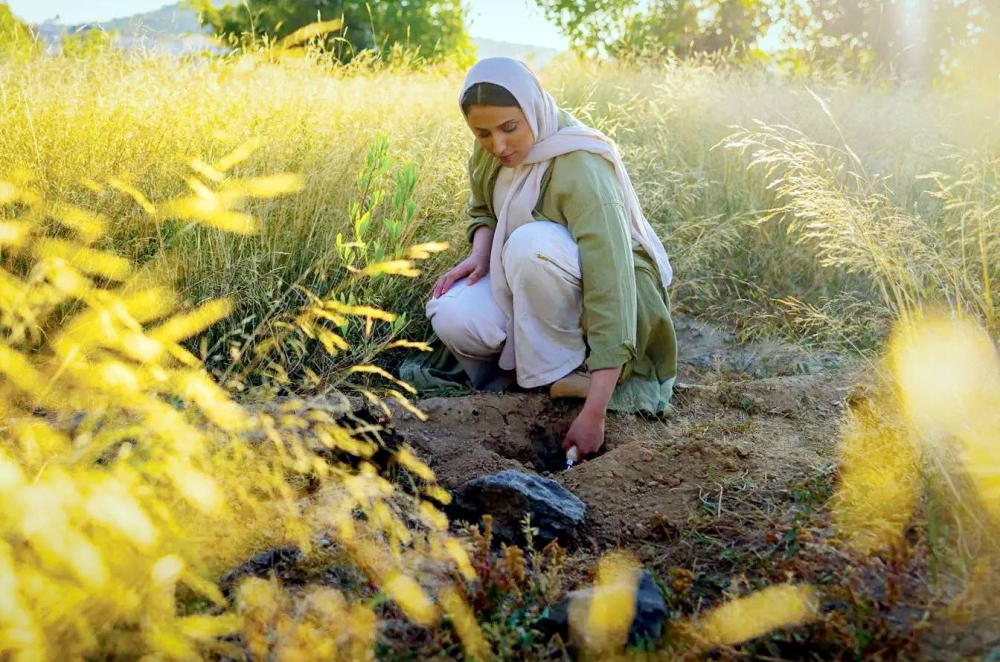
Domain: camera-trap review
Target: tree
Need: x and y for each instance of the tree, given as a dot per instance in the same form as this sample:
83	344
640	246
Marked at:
917	39
913	40
87	43
618	27
435	28
980	54
16	38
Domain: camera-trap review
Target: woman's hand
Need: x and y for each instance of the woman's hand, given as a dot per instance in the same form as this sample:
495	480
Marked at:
587	431
474	267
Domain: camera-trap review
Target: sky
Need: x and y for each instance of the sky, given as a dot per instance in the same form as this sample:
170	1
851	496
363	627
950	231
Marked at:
517	21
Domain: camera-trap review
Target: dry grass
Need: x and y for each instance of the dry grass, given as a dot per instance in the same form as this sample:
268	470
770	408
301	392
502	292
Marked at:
144	119
824	211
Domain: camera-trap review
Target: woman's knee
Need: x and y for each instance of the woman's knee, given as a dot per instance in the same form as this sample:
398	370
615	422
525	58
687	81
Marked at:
449	322
532	239
465	327
541	250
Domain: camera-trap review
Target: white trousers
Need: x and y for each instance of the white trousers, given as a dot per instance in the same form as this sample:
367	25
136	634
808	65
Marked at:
543	271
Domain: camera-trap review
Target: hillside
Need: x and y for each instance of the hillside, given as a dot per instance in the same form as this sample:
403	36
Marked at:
535	55
169	20
172	29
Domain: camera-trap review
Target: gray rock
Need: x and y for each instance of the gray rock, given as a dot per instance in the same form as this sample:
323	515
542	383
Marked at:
647	624
510	495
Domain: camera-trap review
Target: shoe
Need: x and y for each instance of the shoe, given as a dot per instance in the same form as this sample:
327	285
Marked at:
574	386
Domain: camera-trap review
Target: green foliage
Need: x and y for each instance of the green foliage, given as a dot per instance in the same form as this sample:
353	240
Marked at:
624	27
933	38
119	453
936	37
850	219
86	43
434	28
334	324
16	38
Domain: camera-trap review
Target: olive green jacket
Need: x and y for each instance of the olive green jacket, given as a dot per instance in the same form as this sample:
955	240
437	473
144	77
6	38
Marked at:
626	316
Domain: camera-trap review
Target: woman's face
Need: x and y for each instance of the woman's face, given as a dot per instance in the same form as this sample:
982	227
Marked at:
503	131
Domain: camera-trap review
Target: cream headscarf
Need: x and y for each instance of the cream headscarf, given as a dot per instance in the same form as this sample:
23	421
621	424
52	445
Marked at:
550	141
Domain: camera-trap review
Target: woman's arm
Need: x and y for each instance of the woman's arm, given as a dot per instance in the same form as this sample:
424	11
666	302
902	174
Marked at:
482	241
602	387
587	431
479	229
474	267
589	197
478	207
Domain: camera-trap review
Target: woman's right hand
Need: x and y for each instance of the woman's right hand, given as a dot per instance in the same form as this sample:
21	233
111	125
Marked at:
473	267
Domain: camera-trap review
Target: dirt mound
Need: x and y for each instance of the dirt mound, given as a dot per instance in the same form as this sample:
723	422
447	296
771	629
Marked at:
470	436
762	411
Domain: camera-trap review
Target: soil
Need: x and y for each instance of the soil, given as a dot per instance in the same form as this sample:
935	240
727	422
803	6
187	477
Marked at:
760	411
727	495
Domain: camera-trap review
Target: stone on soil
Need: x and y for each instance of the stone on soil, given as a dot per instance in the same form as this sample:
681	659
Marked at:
511	495
647	624
280	561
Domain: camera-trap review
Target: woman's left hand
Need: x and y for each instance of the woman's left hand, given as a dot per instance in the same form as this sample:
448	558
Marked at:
587	432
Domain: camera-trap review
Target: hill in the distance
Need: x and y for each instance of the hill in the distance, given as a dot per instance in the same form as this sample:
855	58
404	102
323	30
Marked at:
171	29
536	56
166	21
174	29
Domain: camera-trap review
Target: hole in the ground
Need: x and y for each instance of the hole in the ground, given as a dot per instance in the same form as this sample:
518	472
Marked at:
469	437
539	448
546	444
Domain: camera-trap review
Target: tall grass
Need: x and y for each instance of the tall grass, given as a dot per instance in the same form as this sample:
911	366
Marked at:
131	480
139	118
847	151
823	210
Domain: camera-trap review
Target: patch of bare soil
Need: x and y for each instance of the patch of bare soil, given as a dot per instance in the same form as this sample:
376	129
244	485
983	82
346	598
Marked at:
727	495
760	411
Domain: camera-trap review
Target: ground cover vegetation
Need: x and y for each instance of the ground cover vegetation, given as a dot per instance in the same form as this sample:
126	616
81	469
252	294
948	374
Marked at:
212	266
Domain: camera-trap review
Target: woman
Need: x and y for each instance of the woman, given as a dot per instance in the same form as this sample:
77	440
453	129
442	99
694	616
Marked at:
566	282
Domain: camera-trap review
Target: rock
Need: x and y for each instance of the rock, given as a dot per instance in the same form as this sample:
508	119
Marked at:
344	578
903	621
510	495
647	624
280	561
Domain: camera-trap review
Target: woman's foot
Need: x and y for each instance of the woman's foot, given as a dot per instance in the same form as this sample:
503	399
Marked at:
574	386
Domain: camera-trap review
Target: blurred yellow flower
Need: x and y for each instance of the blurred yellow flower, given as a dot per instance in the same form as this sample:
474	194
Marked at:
769	609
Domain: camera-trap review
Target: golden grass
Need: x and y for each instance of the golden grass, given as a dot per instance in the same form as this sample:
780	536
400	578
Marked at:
143	120
131	480
824	210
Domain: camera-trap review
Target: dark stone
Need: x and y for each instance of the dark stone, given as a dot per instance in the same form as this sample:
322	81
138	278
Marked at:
904	620
510	495
344	578
364	425
280	561
647	625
